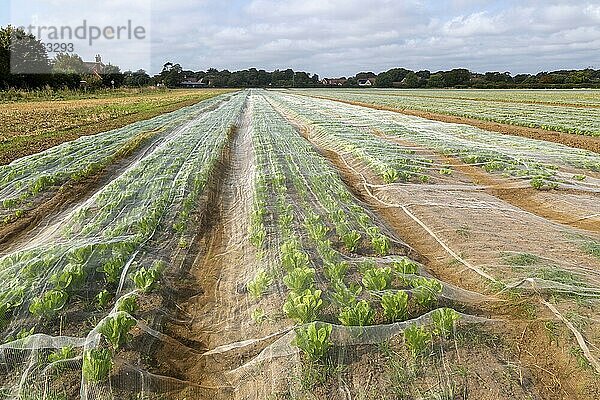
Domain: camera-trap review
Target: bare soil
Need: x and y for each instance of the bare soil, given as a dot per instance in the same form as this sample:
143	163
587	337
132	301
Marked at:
217	315
545	204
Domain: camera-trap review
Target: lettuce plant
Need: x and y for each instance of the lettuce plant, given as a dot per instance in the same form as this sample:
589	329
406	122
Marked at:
292	257
395	306
103	298
377	278
443	321
97	364
300	279
303	307
49	304
405	266
113	267
145	279
258	315
80	255
313	340
345	296
116	329
315	227
258	236
4	310
359	314
62	354
417	339
390	175
381	244
71	278
335	271
259	285
9	300
351	240
127	304
426	291
22	334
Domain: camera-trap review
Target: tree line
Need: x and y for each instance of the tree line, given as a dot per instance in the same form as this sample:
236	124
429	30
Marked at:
69	70
463	78
173	75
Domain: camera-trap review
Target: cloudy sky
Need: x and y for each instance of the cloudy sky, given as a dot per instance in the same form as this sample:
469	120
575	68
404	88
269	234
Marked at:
335	37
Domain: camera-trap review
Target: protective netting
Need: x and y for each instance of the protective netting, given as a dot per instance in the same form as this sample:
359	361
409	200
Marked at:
24	180
258	249
478	215
494	106
105	247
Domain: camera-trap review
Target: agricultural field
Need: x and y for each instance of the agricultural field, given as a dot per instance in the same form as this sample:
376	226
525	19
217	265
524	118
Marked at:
32	124
567	97
571	112
277	244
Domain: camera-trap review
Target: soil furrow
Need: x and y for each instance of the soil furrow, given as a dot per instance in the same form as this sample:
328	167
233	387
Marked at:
218	272
520	197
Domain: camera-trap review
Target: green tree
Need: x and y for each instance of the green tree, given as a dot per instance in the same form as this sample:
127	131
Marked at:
365	75
69	64
139	78
23	59
575	77
302	79
112	73
411	80
352	81
172	74
457	77
92	81
520	78
436	81
388	78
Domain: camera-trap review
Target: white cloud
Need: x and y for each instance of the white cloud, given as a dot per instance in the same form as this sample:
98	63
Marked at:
341	37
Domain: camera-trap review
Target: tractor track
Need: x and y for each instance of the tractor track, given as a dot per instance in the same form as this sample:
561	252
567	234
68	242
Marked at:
213	275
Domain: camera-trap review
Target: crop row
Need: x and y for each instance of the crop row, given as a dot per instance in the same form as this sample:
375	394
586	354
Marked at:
24	179
331	256
538	162
92	252
578	120
391	161
552	97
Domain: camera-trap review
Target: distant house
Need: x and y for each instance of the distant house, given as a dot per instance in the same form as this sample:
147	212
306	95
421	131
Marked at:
96	67
366	82
193	83
334	82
